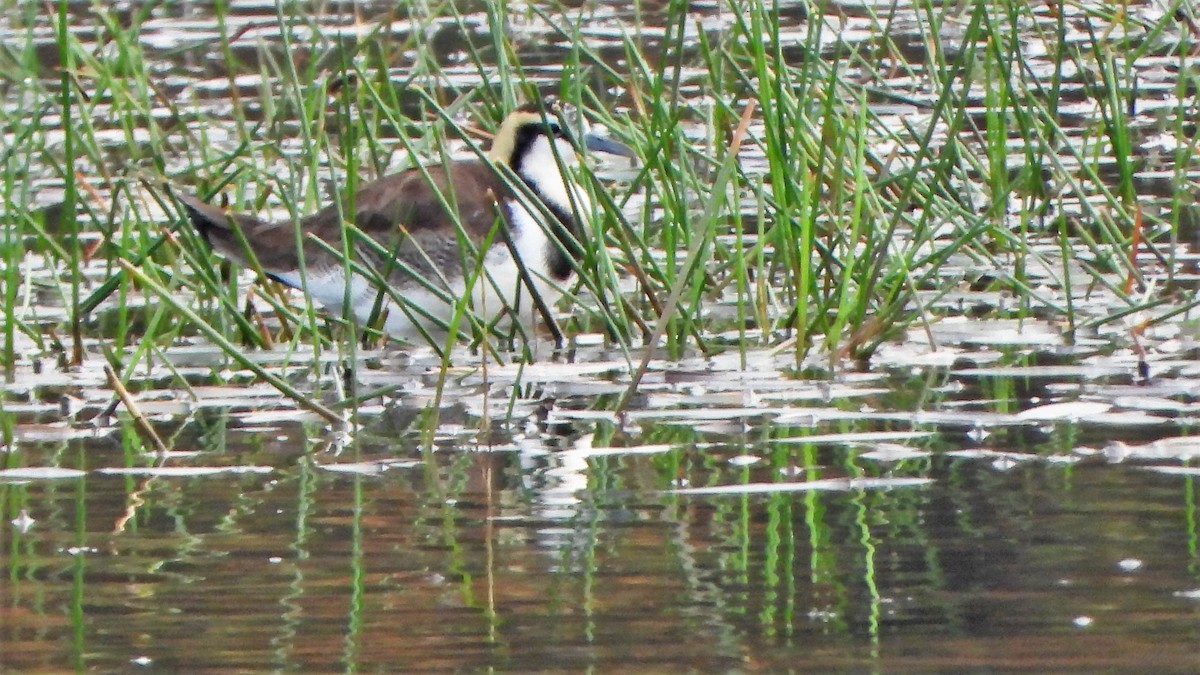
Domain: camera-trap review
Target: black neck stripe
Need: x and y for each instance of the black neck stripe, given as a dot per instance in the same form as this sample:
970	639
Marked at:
565	228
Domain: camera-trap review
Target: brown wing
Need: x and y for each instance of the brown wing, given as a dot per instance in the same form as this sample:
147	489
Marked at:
401	212
404	214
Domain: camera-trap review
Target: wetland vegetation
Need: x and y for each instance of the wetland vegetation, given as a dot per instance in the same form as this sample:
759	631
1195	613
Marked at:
883	356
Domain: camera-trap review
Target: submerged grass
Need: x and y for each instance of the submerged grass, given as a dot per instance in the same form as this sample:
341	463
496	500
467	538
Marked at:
822	225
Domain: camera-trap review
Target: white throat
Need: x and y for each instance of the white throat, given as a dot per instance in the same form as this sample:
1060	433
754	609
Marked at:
541	168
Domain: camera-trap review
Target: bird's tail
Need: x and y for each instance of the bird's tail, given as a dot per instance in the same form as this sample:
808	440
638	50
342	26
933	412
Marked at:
220	228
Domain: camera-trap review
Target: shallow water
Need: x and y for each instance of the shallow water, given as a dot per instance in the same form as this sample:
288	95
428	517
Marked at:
703	530
987	494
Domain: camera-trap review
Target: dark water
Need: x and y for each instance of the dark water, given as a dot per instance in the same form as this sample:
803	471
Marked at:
562	542
1007	501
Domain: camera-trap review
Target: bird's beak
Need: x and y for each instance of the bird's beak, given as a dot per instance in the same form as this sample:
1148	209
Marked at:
605	144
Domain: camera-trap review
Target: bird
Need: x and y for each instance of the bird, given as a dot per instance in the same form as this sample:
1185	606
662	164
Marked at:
415	246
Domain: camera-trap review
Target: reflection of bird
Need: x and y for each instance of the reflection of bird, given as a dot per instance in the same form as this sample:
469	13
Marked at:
417	249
